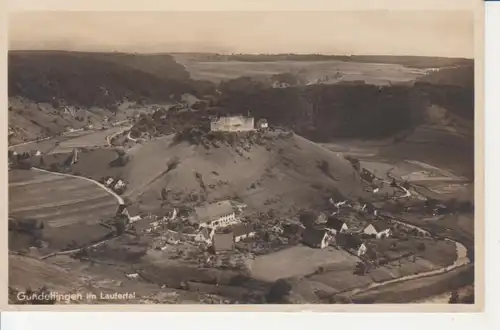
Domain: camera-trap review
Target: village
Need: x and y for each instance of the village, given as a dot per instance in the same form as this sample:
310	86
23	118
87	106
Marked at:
224	234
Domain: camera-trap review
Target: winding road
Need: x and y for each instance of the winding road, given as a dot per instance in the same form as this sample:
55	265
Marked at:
461	259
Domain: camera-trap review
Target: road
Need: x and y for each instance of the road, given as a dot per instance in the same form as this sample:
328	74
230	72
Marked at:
460	261
109	191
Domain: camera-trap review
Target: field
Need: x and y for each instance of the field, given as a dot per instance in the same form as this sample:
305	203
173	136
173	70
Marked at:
374	73
300	261
71	208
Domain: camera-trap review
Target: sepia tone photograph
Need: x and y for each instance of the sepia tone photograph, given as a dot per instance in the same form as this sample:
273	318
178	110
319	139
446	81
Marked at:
241	157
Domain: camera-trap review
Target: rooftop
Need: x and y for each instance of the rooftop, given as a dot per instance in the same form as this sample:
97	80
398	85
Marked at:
334	223
313	236
223	242
213	211
381	225
241	229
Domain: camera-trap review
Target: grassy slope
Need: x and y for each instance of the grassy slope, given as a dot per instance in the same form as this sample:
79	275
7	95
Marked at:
286	171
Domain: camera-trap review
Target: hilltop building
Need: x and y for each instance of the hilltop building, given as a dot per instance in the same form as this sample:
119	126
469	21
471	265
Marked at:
232	124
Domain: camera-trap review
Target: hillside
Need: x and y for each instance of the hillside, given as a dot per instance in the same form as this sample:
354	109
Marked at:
278	171
50	91
94	79
462	76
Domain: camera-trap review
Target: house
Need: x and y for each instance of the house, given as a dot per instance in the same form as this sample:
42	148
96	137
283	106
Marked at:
316	238
214	215
222	242
362	249
174	238
352	242
380	229
205	235
367	175
322	218
242	231
280	84
109	181
119	185
262	124
336	225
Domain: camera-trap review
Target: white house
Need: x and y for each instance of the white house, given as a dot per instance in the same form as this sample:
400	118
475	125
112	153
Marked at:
361	250
214	215
262	124
380	229
242	231
120	184
109	181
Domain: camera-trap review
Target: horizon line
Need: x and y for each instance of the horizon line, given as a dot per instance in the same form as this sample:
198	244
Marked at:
231	54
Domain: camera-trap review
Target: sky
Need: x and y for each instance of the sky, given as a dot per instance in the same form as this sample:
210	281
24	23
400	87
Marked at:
410	32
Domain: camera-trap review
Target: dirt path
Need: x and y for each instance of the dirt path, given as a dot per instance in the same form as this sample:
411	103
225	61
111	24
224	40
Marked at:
60	253
29	142
110	137
109	191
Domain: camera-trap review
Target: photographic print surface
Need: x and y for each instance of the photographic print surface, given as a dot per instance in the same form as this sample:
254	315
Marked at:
241	157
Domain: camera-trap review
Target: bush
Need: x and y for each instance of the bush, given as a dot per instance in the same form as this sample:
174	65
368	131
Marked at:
307	218
278	291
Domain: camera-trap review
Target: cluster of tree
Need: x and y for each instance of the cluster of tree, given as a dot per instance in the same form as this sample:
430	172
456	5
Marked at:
321	112
119	161
278	292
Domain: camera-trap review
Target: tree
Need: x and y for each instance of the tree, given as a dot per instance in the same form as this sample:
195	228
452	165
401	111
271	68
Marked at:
278	291
340	300
307	218
120	225
360	269
454	298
